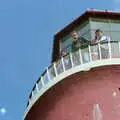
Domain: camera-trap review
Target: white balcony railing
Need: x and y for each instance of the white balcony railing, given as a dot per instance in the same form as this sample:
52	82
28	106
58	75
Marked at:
97	52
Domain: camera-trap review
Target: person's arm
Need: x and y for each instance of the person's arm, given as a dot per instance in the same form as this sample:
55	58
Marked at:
84	41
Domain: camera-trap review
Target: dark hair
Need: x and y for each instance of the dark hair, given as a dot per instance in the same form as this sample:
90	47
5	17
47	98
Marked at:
98	30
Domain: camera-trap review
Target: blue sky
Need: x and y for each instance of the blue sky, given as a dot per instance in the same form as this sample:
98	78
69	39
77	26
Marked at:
26	34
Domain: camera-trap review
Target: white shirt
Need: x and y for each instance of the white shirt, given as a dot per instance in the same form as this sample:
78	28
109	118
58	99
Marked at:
103	38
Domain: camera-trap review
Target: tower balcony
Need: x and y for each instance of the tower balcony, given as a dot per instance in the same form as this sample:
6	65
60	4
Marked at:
94	55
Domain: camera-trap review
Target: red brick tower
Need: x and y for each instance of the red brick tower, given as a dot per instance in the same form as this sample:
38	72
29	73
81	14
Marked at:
82	84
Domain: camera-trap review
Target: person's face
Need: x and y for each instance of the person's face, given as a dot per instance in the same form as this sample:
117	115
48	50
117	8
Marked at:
74	36
99	34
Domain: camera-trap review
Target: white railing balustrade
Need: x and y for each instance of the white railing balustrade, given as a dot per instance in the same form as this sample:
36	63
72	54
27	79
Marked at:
99	51
90	53
115	53
76	58
63	64
96	52
85	55
34	90
51	72
37	89
39	83
71	59
45	78
59	67
55	69
67	62
108	48
80	56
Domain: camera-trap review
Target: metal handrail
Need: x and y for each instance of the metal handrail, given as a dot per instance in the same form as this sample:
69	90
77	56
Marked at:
81	56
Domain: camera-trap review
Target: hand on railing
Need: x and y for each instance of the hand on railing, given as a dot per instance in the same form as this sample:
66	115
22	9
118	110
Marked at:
93	42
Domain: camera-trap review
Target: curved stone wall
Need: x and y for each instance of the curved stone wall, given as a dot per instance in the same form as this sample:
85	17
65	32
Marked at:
82	96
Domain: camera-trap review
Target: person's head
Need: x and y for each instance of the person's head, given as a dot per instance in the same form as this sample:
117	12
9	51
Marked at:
74	35
98	33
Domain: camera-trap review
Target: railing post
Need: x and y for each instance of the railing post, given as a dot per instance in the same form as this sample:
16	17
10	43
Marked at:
90	55
119	46
63	64
71	58
48	74
80	56
109	46
42	81
32	94
37	87
54	65
99	50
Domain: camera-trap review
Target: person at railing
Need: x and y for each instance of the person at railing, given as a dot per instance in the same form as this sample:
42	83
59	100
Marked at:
76	41
80	42
101	38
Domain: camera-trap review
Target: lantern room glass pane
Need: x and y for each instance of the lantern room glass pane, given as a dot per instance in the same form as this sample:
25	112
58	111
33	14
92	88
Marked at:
84	33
